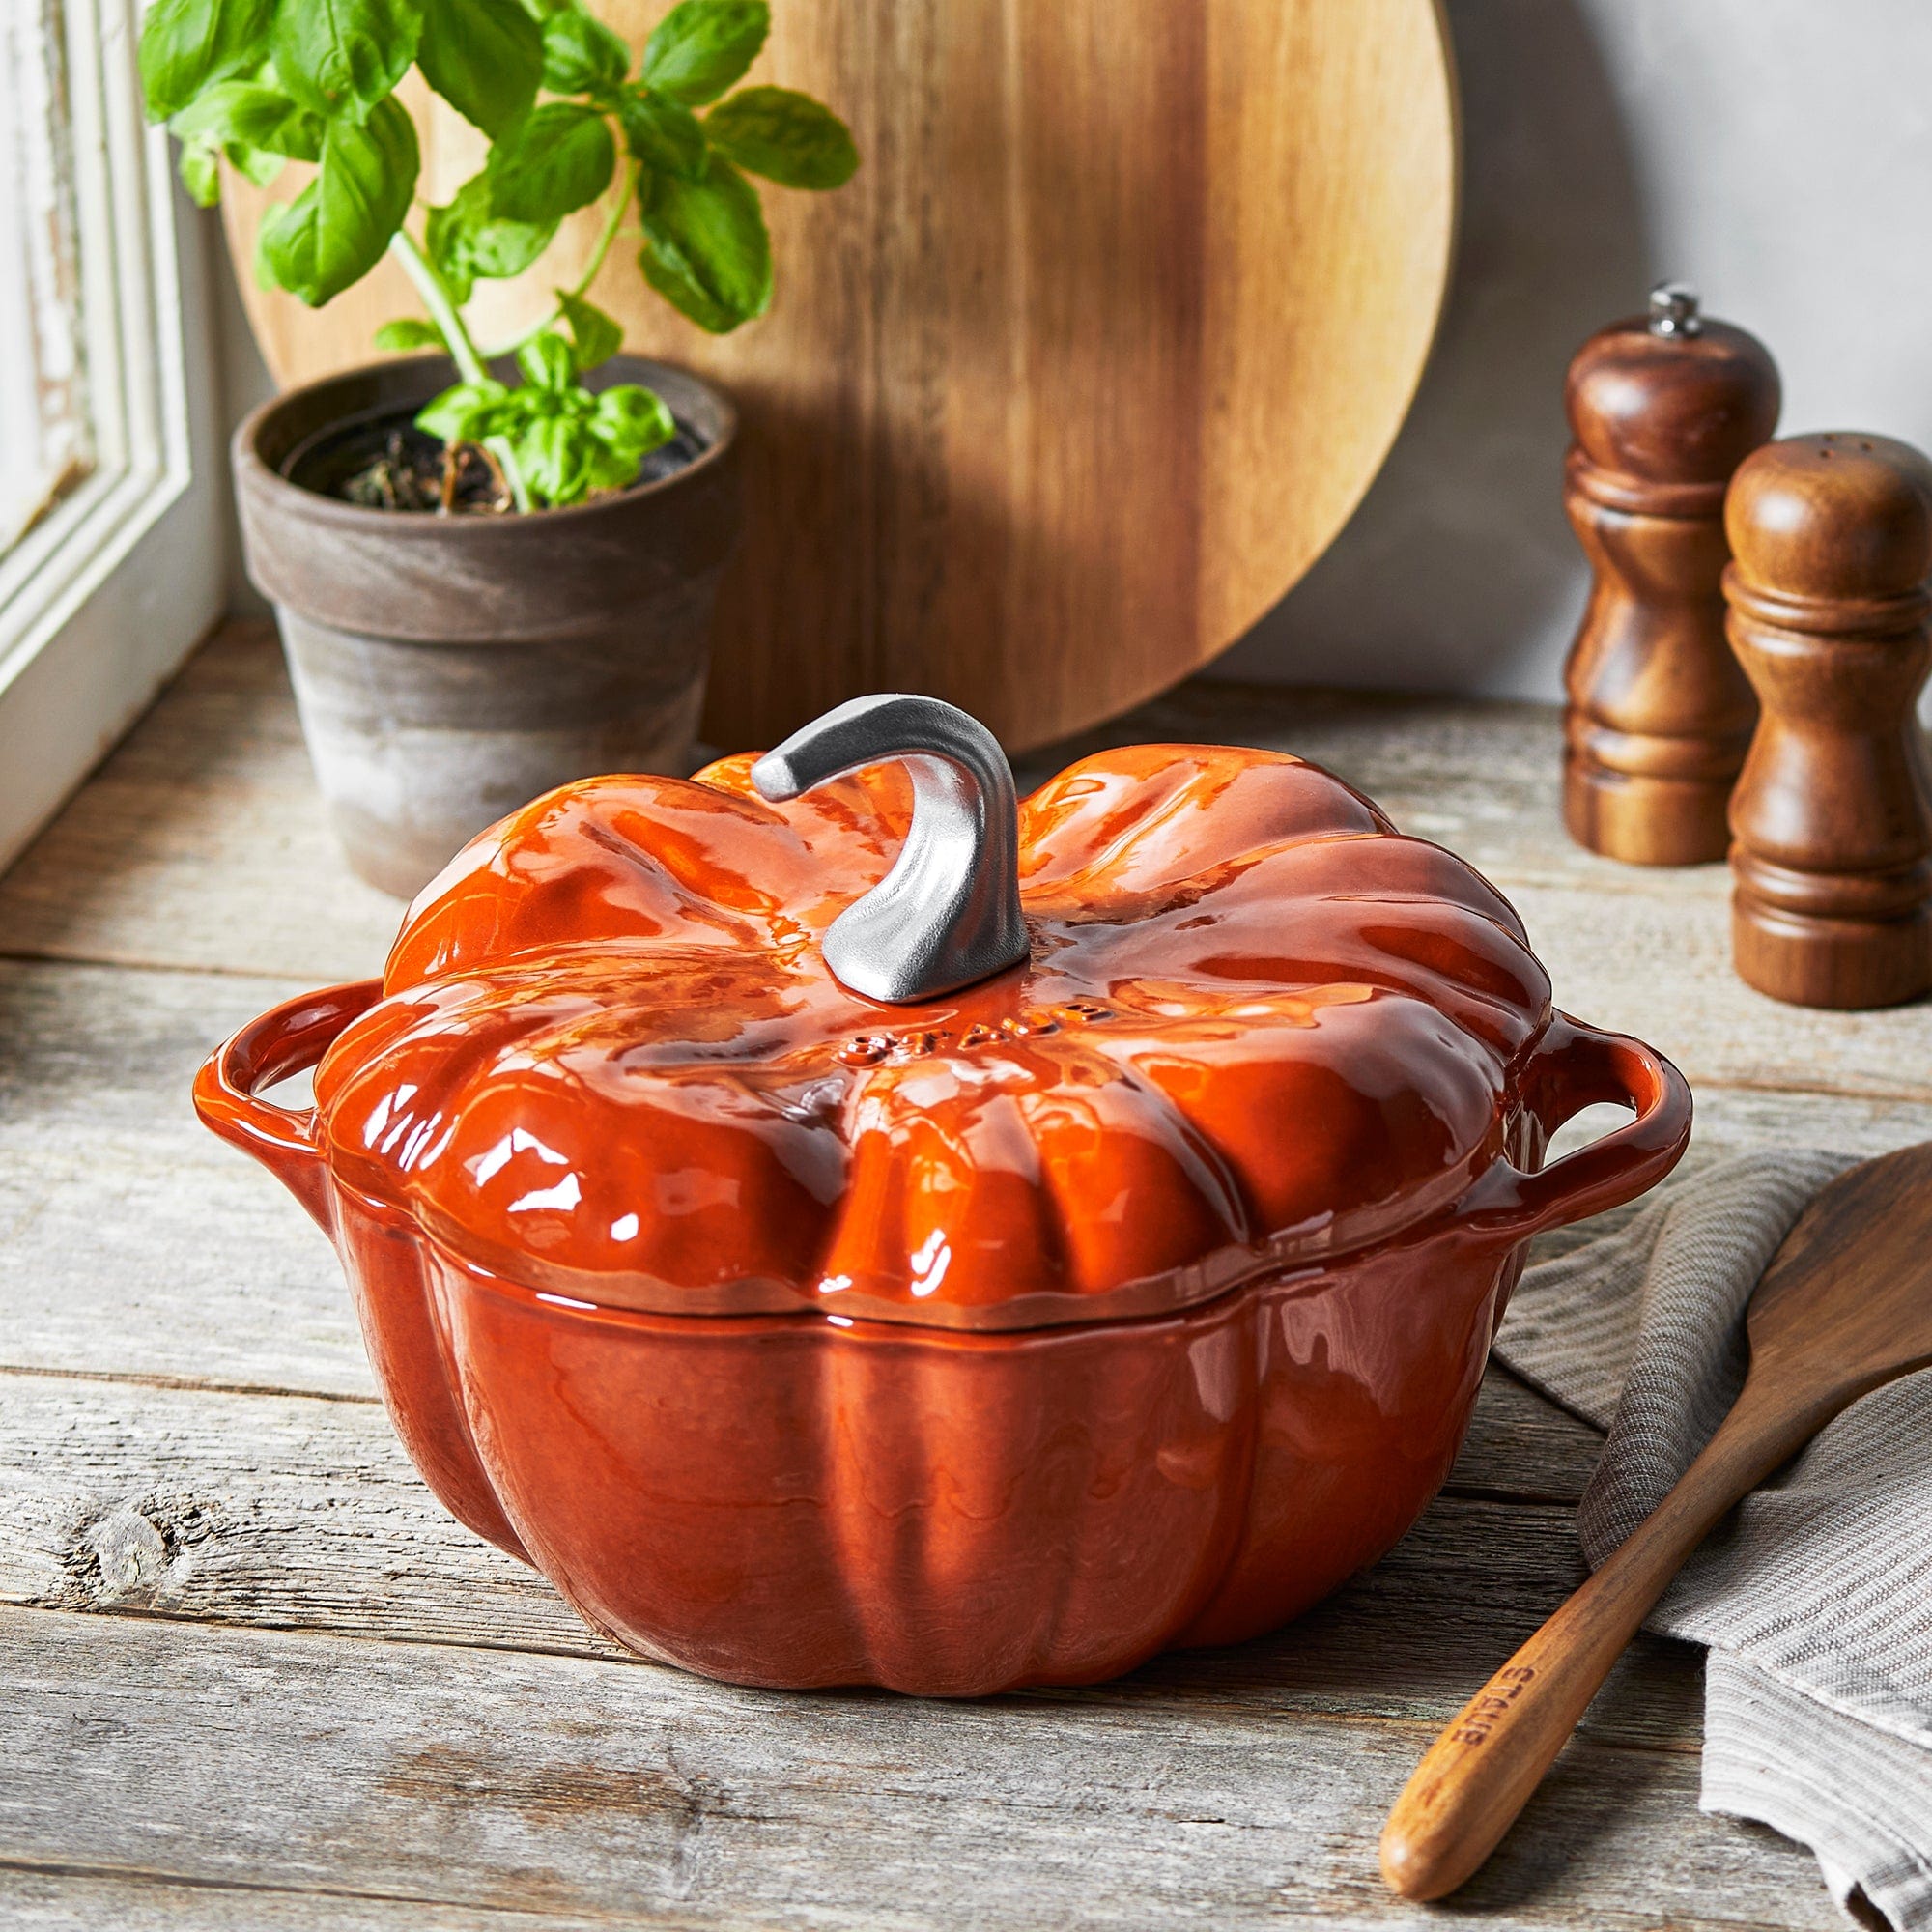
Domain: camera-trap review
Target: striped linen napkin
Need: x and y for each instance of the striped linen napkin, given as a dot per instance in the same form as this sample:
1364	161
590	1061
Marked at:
1814	1598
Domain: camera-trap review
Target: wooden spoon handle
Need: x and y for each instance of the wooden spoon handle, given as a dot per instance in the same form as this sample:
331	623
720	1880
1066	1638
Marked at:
1479	1773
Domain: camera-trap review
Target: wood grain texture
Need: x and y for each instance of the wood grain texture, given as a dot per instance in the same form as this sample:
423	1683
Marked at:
70	1898
242	1631
201	842
1660	714
1081	372
567	1786
1831	616
1841	1310
111	1195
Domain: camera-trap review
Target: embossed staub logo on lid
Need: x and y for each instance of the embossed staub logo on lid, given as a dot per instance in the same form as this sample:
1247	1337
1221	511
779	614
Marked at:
900	1045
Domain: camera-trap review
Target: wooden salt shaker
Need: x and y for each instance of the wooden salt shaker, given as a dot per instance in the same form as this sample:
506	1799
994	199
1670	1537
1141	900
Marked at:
1663	409
1833	813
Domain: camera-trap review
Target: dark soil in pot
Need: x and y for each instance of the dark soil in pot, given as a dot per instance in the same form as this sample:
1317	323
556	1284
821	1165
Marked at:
383	461
448	668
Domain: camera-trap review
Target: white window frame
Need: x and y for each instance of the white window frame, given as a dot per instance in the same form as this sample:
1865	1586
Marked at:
103	600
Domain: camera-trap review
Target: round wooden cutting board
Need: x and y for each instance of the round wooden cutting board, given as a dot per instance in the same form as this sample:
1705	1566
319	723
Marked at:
1084	369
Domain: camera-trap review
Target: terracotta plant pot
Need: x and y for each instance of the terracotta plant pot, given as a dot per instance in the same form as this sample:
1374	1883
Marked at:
450	668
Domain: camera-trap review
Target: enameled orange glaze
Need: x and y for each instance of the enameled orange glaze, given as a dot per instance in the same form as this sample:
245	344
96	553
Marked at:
1255	1025
1136	1296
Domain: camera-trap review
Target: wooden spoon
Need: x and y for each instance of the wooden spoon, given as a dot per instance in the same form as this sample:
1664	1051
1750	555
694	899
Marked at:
1845	1306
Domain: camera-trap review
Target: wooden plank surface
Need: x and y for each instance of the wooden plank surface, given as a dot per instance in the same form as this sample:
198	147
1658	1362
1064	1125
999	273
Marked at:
201	843
66	1898
1029	423
499	1780
250	1674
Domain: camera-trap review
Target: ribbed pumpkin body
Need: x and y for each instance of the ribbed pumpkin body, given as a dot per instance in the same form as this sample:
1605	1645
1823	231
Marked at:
1136	1294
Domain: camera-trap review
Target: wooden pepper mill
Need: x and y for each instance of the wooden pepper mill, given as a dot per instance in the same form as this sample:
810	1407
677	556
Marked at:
1662	409
1833	813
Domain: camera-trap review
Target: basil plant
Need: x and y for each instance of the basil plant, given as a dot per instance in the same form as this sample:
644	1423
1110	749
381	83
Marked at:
261	82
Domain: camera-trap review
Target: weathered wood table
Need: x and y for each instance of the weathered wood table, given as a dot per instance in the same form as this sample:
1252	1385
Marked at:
252	1676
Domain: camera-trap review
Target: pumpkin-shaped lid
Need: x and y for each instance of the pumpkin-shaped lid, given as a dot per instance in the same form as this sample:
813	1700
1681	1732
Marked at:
659	1043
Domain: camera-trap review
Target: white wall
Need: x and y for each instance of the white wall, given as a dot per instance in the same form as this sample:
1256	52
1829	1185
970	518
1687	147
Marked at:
1777	154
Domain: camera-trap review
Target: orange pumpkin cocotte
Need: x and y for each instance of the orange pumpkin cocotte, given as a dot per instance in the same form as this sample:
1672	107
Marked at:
1133	1296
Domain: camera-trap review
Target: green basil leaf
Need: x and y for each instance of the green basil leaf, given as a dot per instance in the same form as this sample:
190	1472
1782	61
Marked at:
500	249
523	406
411	331
284	253
285	246
553	453
260	117
343	56
367	177
582	55
335	231
595	336
256	164
485	58
201	173
608	468
786	137
625	425
666	137
631	420
679	287
465	413
709	253
701	47
468	244
547	362
558	158
187	43
446	243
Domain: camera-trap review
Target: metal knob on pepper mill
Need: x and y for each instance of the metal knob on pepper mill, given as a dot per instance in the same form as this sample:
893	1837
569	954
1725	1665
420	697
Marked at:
1663	408
1830	618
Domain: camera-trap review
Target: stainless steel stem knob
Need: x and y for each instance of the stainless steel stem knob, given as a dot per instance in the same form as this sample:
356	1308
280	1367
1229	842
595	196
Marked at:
949	911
